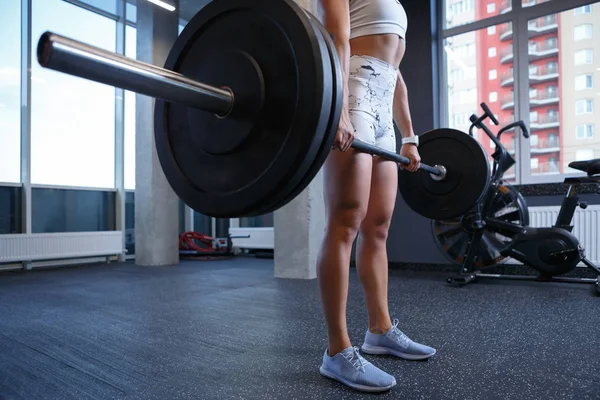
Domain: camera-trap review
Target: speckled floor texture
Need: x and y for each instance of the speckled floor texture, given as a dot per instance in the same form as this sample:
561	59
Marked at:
229	330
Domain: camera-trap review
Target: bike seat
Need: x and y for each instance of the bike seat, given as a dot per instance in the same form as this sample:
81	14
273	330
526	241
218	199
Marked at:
590	167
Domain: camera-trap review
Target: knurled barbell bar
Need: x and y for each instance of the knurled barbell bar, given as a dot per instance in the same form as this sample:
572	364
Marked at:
247	108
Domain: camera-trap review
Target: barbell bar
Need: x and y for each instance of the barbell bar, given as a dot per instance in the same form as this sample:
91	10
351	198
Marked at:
247	107
76	58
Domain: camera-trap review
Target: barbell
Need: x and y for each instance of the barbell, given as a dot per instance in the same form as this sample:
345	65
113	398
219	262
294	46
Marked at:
247	108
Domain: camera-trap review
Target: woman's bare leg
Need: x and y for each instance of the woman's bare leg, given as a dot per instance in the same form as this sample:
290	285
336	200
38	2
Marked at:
347	181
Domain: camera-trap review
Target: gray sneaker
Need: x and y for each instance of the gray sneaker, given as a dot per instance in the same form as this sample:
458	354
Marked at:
395	342
351	369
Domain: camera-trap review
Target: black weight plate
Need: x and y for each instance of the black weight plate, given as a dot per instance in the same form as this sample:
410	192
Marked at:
242	165
466	181
334	117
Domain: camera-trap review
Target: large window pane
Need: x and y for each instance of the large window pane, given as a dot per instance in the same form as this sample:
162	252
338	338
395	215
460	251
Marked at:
60	210
479	68
72	119
10	210
130	51
263	221
10	101
563	80
461	12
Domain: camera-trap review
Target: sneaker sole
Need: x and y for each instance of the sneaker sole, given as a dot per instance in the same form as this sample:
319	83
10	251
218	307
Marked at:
377	350
355	386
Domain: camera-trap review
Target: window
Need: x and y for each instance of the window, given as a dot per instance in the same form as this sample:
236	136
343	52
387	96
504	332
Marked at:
530	3
585	131
533	140
481	78
551	43
533	93
584	106
461	12
584	57
583	10
533	70
110	6
491	8
492	52
533	116
10	92
72	119
492	30
583	31
583	82
535	163
129	132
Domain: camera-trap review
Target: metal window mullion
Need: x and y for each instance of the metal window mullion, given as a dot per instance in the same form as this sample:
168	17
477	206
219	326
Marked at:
521	67
120	198
26	223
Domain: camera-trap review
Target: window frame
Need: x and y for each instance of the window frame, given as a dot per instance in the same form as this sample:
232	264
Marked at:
518	16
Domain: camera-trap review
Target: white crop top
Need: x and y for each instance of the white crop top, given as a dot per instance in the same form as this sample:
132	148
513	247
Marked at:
377	17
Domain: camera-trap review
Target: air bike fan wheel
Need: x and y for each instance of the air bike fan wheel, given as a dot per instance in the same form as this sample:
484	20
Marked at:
453	235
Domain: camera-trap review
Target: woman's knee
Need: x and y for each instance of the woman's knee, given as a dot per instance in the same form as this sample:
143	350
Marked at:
375	229
344	222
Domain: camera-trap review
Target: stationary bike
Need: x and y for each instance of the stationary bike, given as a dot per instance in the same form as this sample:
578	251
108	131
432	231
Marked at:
498	227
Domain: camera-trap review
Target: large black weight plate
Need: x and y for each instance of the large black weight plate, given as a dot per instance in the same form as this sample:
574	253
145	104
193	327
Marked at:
336	92
466	182
244	164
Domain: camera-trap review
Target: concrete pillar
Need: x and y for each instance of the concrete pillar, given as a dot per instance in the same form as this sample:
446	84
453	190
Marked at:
300	225
156	205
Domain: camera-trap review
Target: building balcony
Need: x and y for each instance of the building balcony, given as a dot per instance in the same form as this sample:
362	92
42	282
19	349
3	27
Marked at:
506	31
542	50
545	122
546	146
508	102
506	55
544	98
543	25
505	6
507	79
547	168
543	74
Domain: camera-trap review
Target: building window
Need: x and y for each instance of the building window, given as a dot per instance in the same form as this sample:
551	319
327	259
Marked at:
493	74
585	81
492	30
584	106
533	140
492	52
535	163
493	97
583	10
583	31
584	56
491	8
533	116
585	131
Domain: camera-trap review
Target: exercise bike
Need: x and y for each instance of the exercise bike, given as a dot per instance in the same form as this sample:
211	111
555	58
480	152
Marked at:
497	229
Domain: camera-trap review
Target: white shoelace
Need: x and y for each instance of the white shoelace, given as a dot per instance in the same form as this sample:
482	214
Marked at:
357	360
398	335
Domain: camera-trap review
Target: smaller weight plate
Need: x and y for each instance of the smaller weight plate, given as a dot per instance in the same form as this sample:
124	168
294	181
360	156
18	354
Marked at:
466	181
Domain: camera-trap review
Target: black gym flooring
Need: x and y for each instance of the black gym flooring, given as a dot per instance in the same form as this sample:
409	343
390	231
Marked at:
229	330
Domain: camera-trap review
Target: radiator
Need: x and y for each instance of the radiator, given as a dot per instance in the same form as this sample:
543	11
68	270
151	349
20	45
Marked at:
586	226
53	246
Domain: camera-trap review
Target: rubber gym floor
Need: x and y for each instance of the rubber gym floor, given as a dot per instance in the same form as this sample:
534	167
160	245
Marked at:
229	330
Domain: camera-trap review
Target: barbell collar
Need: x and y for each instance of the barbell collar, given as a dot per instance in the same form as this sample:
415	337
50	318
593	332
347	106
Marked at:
72	57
